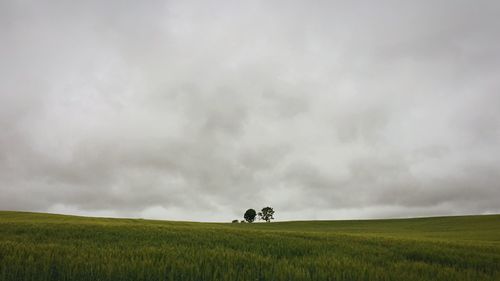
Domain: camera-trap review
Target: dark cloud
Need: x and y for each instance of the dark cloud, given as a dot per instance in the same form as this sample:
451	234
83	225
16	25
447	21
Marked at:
197	111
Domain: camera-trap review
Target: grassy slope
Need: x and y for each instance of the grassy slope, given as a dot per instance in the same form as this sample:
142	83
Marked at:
477	229
53	247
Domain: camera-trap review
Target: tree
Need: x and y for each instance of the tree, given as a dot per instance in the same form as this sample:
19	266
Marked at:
249	215
267	214
235	221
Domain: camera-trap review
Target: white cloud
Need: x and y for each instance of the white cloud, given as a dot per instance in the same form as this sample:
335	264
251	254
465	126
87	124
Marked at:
198	111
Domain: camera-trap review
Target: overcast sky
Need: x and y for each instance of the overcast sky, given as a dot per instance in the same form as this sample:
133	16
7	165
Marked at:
185	110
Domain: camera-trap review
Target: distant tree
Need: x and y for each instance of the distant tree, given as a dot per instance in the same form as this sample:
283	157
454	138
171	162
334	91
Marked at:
266	214
235	221
249	215
242	221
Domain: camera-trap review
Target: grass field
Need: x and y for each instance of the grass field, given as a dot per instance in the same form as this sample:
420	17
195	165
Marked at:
36	246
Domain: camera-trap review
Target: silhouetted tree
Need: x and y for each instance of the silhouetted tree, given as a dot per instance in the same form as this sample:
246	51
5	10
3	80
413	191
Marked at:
235	221
267	214
249	215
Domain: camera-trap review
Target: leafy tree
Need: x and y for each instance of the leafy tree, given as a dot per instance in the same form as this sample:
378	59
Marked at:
267	214
235	221
249	215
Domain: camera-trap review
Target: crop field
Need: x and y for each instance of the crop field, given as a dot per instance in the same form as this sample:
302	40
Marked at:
36	246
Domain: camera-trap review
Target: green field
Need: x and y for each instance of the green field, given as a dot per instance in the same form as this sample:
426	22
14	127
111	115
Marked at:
36	246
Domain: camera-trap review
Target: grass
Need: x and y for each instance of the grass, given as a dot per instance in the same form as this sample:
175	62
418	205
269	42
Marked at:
36	246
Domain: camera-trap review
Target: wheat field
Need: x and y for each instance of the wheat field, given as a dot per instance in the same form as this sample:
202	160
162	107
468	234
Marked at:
36	246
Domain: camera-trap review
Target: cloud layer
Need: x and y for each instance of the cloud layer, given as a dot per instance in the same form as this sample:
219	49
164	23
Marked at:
197	111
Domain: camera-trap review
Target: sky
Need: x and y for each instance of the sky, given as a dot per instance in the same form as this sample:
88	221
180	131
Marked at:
199	110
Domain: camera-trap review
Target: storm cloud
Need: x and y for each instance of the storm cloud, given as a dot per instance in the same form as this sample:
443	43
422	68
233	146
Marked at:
197	110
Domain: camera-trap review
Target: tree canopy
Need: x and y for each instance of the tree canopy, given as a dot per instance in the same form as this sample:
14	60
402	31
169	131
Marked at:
250	215
267	214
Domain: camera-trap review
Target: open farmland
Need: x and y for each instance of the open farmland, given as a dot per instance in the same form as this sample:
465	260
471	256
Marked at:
36	246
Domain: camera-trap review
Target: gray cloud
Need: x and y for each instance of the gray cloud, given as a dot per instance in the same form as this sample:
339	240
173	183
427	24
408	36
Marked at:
197	111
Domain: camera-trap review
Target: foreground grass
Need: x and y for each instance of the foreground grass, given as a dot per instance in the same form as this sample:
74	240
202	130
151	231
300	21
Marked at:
54	247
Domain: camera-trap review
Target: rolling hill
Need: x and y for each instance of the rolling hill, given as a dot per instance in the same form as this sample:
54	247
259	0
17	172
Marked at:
36	246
